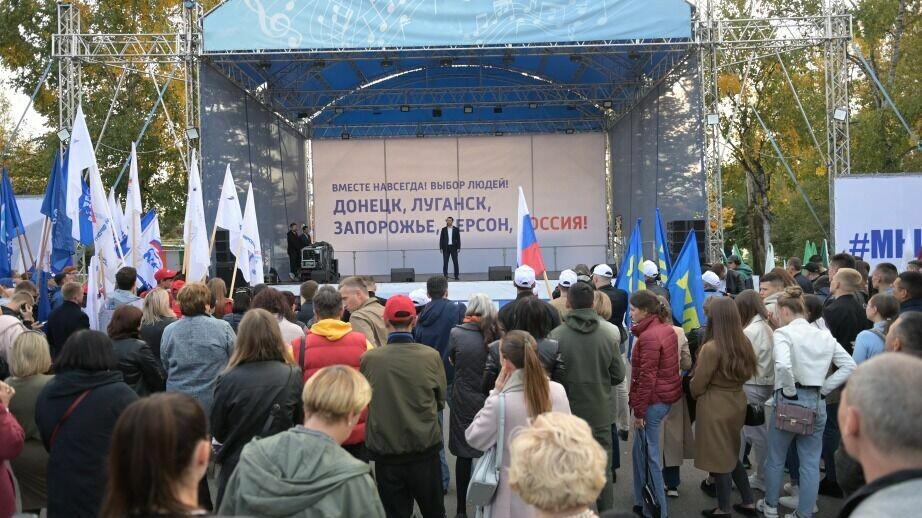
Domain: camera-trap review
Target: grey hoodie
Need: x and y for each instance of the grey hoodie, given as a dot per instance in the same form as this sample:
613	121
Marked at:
300	473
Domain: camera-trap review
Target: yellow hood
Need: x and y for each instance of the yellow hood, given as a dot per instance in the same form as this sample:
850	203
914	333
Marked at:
331	329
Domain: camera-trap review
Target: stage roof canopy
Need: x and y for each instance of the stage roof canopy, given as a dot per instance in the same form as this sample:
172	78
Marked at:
388	68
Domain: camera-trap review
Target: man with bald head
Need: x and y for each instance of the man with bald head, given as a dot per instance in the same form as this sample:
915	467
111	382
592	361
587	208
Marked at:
905	334
880	417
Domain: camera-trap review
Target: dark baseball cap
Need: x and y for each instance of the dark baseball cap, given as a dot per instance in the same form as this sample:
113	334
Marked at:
812	267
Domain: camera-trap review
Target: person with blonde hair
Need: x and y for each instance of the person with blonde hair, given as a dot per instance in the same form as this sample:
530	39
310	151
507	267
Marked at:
526	393
195	349
304	472
29	364
557	466
156	315
257	394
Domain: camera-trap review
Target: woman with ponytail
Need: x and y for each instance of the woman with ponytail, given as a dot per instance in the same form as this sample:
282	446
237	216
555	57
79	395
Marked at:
526	392
882	310
655	386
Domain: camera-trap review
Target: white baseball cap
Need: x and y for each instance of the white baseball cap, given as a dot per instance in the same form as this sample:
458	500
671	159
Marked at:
419	297
567	278
524	276
649	269
603	270
711	278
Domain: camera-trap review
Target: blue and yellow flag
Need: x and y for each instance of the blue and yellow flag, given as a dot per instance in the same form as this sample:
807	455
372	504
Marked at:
686	289
630	276
662	250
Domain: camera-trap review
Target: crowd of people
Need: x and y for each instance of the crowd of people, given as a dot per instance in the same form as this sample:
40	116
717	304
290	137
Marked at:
334	403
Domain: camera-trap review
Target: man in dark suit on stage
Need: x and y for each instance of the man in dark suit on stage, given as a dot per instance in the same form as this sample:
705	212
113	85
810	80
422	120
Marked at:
294	251
449	244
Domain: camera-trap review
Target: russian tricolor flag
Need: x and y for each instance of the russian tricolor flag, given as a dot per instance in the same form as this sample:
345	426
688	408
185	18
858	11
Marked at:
526	245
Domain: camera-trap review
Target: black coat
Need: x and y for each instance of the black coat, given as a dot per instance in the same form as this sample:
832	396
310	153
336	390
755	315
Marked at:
294	244
455	239
243	397
141	369
468	354
619	301
63	322
153	333
306	313
77	461
548	353
735	283
845	317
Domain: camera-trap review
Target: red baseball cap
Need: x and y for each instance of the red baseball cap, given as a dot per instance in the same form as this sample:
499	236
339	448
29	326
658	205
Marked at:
164	274
178	285
399	308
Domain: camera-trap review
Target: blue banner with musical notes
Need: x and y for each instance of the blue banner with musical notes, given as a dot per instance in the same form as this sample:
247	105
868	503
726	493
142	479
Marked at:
262	25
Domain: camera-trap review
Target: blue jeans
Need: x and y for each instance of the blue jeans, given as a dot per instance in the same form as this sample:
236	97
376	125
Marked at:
446	474
809	449
651	460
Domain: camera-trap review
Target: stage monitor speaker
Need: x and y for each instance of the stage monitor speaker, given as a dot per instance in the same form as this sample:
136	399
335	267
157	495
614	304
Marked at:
677	231
403	275
225	271
222	252
324	276
272	277
500	273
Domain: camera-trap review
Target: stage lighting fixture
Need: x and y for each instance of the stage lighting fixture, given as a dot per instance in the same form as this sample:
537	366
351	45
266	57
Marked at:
192	133
468	108
346	135
497	109
712	119
840	114
386	63
64	135
606	104
437	112
533	106
404	108
570	131
337	110
498	134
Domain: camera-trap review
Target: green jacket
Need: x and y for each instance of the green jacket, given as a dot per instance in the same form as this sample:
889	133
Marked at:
300	473
408	390
590	351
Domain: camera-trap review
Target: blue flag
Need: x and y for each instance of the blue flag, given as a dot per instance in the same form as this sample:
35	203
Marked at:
14	224
10	224
686	289
43	304
663	262
86	218
630	276
54	208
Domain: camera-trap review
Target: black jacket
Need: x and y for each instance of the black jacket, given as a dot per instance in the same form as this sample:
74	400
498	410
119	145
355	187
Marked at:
468	354
434	325
507	312
845	317
548	353
243	397
455	239
141	370
805	285
910	305
306	313
153	333
63	322
77	462
618	299
734	281
294	243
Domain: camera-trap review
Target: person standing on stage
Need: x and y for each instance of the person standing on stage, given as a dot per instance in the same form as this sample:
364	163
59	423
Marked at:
294	251
305	236
449	244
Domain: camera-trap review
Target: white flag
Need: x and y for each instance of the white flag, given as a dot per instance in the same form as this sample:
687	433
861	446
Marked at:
104	234
92	293
80	156
118	215
251	256
131	225
150	252
769	258
229	216
195	233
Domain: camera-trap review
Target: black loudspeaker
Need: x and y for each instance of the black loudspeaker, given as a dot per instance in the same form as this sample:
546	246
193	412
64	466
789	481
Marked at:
324	276
403	275
677	231
222	253
225	271
272	277
500	273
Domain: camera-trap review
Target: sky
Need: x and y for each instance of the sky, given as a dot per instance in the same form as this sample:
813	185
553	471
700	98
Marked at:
34	124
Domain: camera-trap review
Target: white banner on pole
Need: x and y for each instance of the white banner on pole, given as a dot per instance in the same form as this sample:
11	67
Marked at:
879	217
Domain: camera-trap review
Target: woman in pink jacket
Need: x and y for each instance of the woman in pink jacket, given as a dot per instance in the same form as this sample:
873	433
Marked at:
12	439
527	393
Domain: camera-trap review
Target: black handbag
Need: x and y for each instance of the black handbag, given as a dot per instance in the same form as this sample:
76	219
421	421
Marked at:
649	494
755	415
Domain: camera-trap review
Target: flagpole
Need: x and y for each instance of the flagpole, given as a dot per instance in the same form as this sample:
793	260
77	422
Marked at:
22	252
134	242
547	285
214	234
46	232
236	261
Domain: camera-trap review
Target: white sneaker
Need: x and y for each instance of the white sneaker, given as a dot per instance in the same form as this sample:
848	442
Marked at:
767	512
791	502
756	482
791	489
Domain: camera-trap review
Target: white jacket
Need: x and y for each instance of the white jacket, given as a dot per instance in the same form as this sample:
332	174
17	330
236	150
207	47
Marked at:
804	354
760	335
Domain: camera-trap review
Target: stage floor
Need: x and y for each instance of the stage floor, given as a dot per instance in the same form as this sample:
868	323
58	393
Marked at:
500	291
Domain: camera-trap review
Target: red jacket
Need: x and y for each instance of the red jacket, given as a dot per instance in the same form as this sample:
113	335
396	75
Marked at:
654	365
332	342
11	443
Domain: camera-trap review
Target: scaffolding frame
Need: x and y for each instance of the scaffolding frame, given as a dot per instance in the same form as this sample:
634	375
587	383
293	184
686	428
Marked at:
718	43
